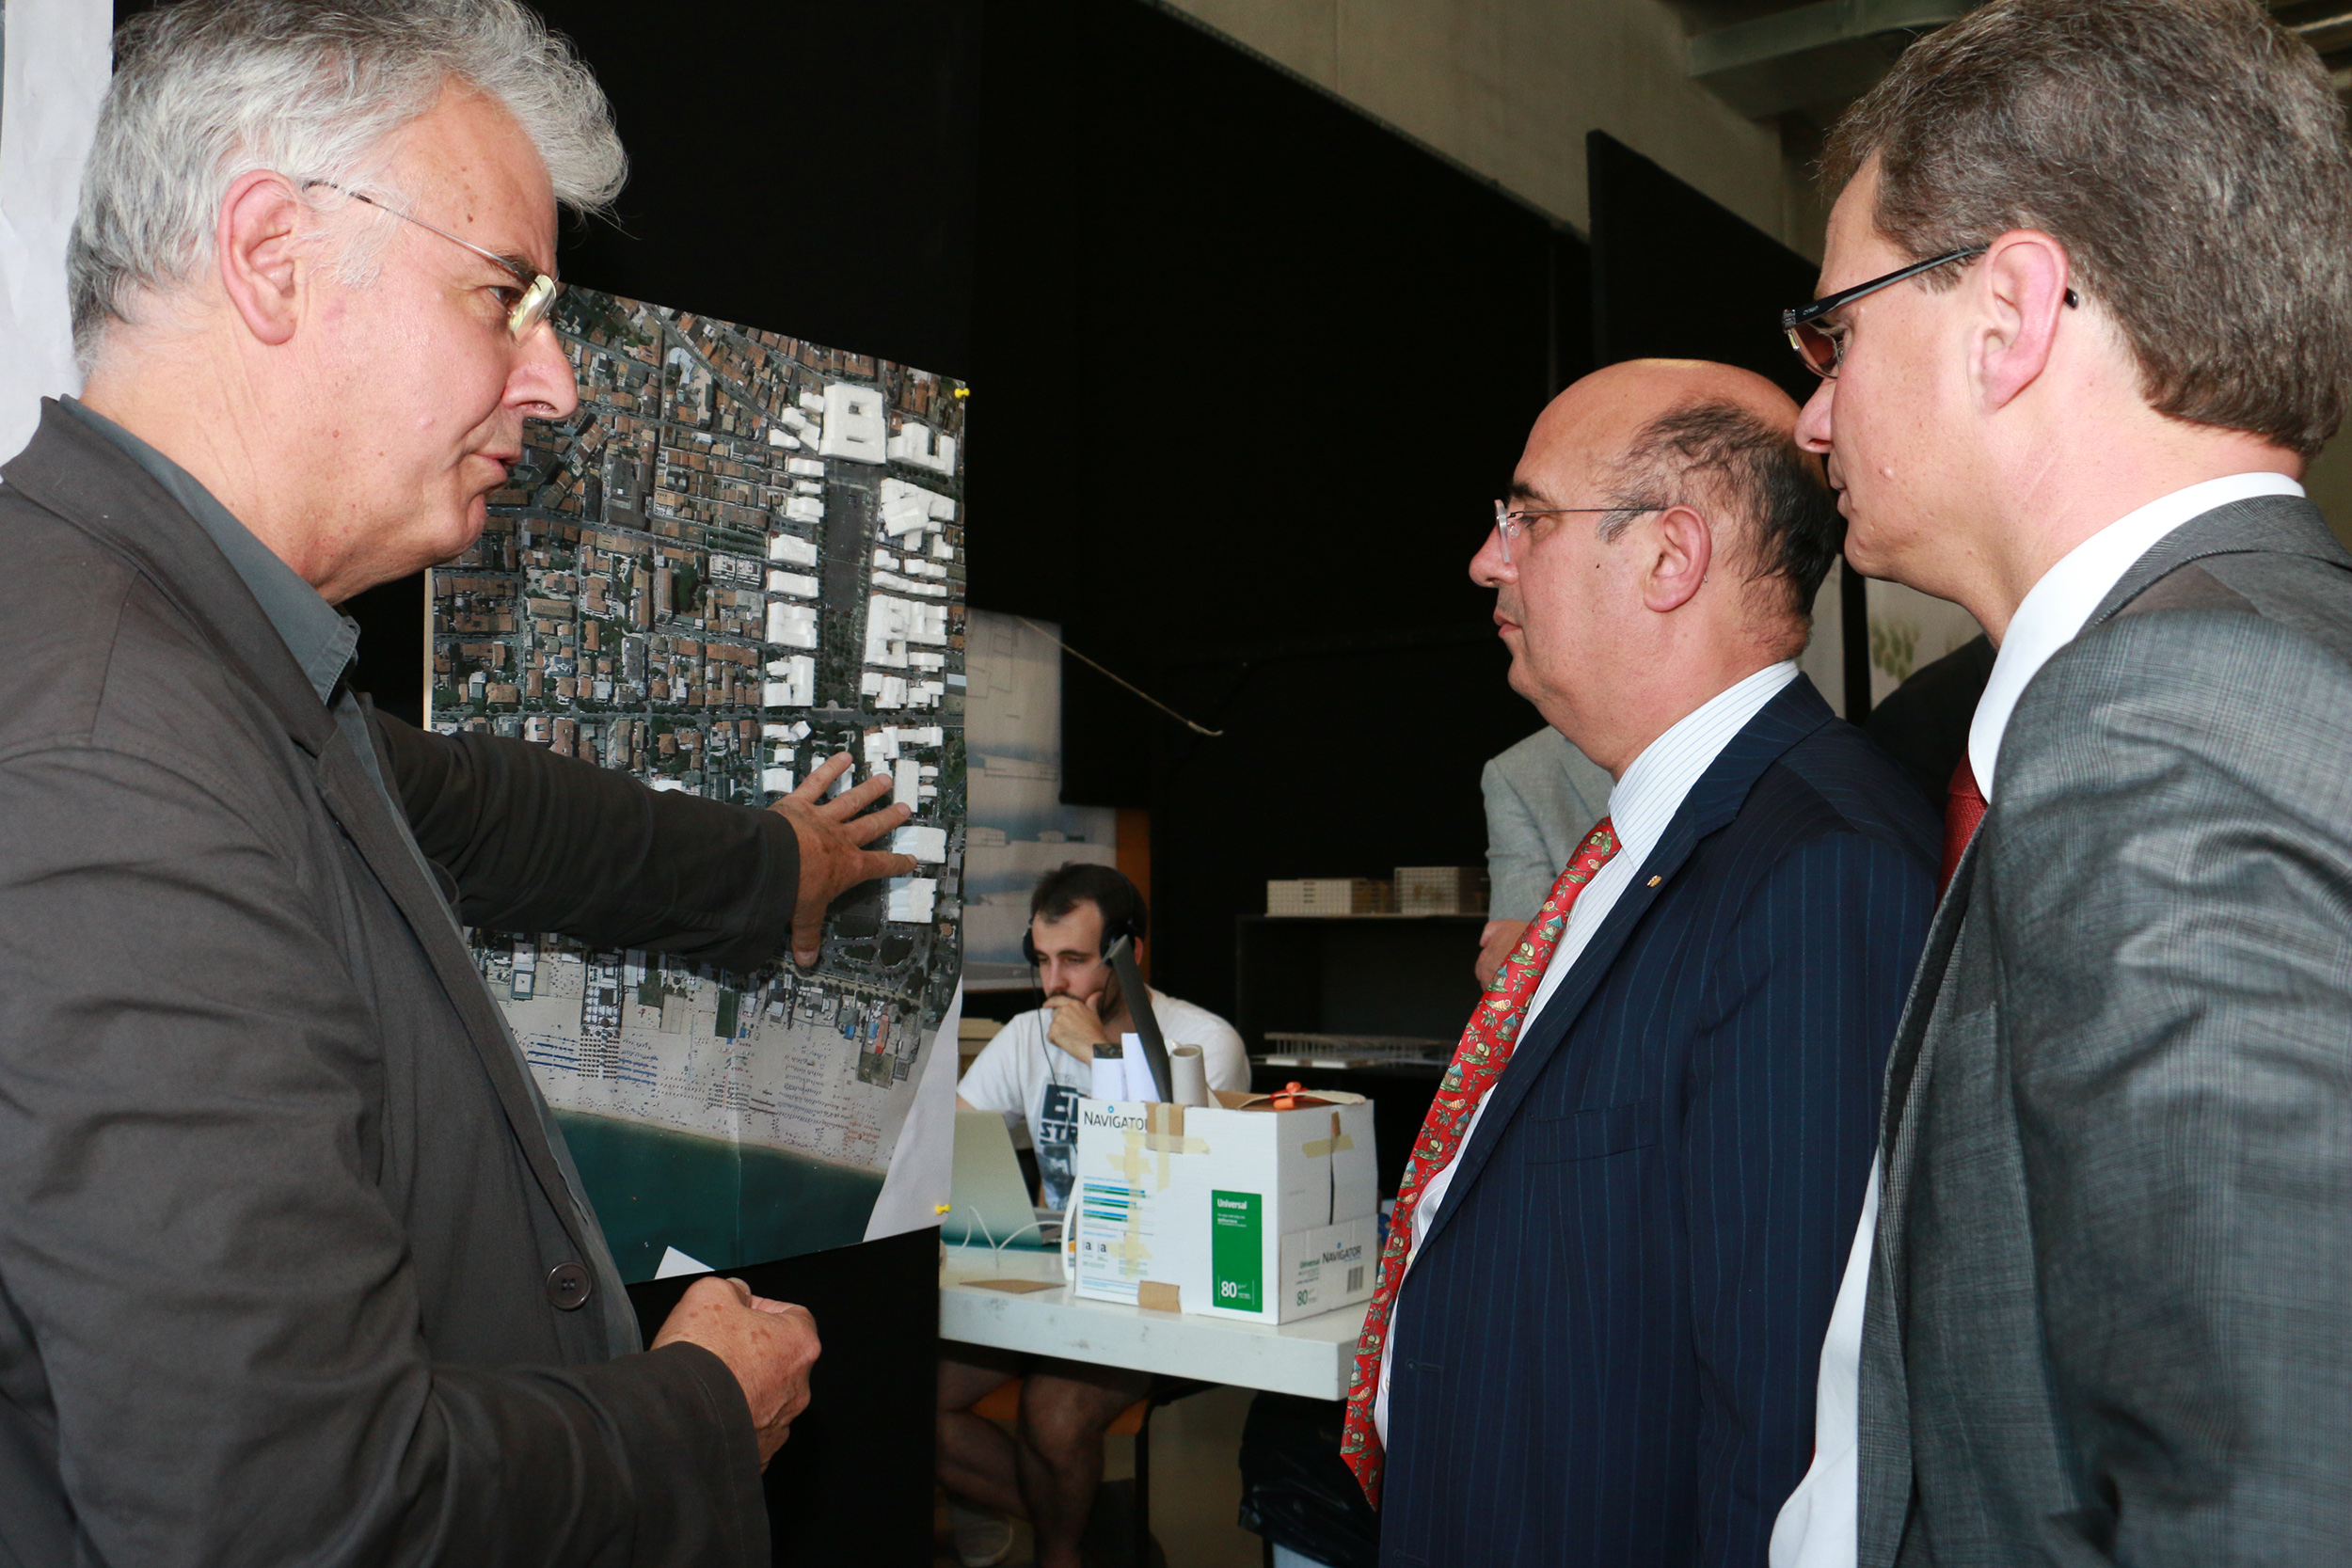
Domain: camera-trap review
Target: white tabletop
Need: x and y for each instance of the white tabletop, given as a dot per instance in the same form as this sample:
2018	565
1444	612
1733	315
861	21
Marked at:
1308	1355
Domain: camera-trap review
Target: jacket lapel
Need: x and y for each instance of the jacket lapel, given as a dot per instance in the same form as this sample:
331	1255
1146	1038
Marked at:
1885	1480
76	472
1793	713
1909	1057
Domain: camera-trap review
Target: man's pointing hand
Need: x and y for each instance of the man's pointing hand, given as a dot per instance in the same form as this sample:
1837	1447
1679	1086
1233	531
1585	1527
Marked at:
833	838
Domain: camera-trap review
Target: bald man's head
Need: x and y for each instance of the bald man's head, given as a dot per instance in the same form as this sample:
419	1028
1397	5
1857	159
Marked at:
1648	433
1670	538
1605	410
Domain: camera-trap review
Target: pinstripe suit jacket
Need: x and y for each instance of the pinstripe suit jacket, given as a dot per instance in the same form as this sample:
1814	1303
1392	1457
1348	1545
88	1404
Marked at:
1608	1344
2110	1303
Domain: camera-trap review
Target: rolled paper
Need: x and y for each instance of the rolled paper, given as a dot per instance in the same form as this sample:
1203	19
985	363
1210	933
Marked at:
1110	1076
1188	1075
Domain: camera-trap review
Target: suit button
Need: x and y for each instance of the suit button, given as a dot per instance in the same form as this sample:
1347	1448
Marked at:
569	1287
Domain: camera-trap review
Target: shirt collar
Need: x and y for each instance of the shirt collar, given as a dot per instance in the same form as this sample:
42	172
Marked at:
321	639
2053	612
1653	785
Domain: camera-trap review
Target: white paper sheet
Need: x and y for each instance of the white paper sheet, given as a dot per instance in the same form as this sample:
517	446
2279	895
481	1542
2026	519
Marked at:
55	72
675	1263
923	1161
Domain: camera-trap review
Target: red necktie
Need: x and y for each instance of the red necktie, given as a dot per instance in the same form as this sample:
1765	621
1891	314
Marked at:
1962	814
1478	1061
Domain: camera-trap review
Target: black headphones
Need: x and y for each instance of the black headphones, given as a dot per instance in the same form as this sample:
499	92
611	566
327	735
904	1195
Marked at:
1106	882
1112	931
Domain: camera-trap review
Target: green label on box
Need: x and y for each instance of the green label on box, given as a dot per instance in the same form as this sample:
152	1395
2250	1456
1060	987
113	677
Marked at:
1236	1251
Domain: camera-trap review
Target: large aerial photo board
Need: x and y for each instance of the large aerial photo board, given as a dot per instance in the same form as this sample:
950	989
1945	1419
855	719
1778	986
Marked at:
742	553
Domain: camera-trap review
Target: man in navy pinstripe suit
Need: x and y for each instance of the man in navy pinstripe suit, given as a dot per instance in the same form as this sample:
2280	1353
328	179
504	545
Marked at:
1604	1348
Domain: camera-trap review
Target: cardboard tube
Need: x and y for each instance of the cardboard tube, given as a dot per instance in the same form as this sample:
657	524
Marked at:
1188	1075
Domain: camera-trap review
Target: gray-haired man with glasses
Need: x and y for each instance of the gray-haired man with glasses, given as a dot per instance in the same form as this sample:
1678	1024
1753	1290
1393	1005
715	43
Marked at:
294	1264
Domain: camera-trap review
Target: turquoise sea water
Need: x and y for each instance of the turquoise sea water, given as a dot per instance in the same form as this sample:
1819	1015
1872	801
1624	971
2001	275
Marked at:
722	1203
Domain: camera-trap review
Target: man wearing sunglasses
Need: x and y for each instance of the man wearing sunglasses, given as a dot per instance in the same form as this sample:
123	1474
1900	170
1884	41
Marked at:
2087	314
294	1264
1593	1337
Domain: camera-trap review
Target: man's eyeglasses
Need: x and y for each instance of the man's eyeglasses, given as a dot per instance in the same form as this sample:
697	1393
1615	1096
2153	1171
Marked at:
532	302
1511	521
1823	350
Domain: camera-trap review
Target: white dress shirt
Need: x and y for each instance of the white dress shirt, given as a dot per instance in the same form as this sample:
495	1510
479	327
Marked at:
1818	1524
1645	800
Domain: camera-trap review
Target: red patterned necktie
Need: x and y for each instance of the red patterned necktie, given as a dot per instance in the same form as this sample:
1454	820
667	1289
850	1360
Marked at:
1962	814
1478	1061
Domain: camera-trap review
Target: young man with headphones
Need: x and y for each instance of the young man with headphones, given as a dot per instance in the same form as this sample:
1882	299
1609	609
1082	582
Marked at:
1042	1062
1039	1068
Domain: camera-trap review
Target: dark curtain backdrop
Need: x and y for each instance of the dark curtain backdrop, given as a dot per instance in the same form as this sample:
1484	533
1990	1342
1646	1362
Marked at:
1250	371
1677	274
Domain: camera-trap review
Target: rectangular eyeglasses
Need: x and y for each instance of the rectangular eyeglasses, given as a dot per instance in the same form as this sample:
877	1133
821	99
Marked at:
1824	352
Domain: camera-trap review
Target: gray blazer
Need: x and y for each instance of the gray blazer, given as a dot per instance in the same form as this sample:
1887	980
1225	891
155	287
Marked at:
289	1271
2110	1303
1543	796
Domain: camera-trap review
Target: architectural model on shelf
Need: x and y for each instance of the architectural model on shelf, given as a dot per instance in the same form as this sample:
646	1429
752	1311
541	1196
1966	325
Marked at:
741	554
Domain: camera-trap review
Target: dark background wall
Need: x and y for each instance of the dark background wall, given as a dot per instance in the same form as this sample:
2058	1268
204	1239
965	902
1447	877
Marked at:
1676	275
1250	371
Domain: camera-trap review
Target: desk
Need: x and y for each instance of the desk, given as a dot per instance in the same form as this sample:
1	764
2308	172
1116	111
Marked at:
1310	1355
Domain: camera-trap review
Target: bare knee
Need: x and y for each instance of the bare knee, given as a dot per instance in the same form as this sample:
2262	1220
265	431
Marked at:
1060	1416
964	1383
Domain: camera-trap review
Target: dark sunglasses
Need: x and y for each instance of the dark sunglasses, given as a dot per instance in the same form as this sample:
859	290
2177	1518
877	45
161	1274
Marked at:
1823	352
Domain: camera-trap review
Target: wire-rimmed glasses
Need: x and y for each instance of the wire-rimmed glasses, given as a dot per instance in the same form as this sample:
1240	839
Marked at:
532	303
1510	521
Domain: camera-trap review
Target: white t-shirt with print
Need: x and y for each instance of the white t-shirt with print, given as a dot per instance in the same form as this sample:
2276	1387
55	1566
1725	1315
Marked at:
1013	1071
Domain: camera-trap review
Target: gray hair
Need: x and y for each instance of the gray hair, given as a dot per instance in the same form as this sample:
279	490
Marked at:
206	91
2189	154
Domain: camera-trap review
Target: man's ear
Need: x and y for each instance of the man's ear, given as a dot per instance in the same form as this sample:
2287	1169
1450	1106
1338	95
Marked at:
258	242
2021	289
1682	546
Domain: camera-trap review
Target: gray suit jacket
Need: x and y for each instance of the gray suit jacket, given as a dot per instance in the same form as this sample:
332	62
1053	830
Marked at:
284	1246
1543	796
2110	1303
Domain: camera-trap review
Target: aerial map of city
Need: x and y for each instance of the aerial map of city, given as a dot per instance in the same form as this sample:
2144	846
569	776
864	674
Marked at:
741	554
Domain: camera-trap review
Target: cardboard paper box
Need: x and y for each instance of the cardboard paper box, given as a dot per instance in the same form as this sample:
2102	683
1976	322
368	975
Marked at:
1236	1210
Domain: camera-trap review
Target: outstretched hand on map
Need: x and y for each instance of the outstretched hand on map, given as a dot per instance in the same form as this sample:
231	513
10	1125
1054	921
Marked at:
833	838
